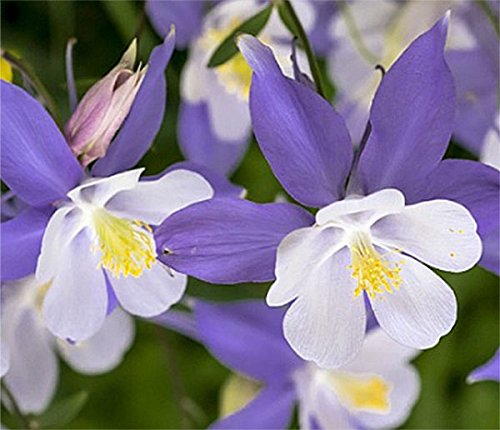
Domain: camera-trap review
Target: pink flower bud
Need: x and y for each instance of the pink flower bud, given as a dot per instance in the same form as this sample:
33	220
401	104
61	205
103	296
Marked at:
103	109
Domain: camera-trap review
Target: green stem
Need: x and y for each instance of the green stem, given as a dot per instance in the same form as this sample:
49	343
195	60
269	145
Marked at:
33	79
483	4
173	370
301	35
356	35
25	422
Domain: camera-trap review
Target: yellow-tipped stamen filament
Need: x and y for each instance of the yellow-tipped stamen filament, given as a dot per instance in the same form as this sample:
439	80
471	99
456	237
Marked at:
126	246
373	271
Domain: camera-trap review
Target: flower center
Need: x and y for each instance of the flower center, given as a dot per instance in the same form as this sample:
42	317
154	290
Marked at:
234	75
361	392
373	272
127	246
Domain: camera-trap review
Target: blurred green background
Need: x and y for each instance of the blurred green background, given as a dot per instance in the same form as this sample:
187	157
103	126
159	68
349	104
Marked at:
167	381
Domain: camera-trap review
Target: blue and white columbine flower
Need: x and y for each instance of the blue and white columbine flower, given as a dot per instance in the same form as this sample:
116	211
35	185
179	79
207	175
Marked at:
376	390
96	226
29	350
403	209
214	119
370	33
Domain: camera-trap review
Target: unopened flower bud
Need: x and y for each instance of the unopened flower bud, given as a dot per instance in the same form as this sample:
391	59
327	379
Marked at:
103	109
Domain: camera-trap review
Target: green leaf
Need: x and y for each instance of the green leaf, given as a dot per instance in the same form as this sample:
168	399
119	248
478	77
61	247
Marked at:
228	49
63	411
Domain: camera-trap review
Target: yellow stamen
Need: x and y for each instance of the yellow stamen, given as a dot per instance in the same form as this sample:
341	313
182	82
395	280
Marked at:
373	272
127	247
5	70
362	392
235	75
40	295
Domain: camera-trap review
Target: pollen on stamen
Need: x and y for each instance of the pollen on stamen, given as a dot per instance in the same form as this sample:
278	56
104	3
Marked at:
126	246
374	272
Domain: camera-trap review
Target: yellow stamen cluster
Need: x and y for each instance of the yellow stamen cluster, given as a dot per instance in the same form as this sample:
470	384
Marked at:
127	247
369	393
235	75
373	272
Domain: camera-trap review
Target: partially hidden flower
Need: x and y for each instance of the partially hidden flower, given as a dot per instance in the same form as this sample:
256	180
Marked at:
376	390
489	371
30	350
369	33
103	109
214	121
90	237
403	209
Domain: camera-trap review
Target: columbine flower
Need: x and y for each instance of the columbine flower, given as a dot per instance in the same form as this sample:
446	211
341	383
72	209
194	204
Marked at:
376	390
103	109
489	371
97	232
29	349
403	209
370	33
216	100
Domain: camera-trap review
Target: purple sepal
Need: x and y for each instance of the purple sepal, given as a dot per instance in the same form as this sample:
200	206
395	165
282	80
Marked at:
179	321
36	162
304	140
489	371
21	239
477	86
227	240
411	117
477	187
247	337
321	34
200	144
144	119
185	15
271	409
112	300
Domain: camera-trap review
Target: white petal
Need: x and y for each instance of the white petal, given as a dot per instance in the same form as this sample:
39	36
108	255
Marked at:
153	201
326	324
380	352
152	293
362	211
229	115
33	374
382	356
421	311
490	153
300	253
329	412
405	388
441	233
103	351
317	401
62	228
194	74
4	356
99	190
75	304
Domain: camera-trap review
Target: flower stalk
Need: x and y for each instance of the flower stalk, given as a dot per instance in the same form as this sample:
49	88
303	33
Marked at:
292	22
